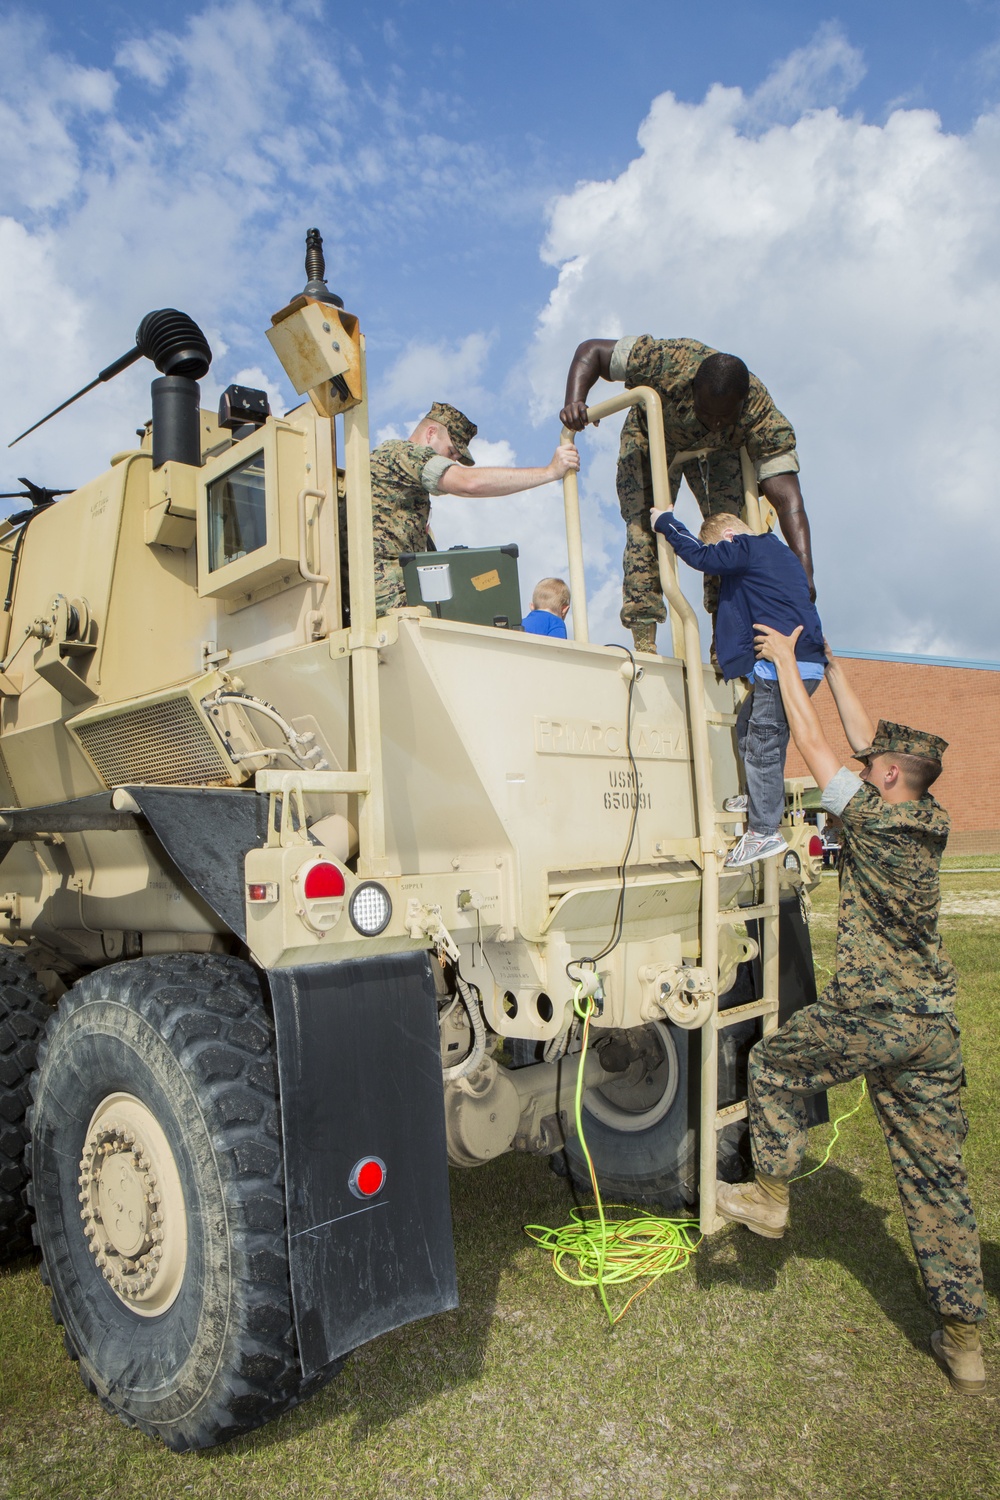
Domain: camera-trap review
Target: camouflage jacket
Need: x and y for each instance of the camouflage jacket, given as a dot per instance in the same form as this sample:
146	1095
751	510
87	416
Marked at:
669	365
404	477
889	952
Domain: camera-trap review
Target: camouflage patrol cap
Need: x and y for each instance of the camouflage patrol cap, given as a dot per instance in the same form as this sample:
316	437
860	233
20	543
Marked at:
900	739
462	431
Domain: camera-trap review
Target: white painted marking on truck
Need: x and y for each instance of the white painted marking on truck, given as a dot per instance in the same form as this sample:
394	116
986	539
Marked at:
595	737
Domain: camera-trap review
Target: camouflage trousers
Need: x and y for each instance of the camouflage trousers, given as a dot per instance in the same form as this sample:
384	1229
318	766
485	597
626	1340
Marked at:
390	589
913	1065
717	485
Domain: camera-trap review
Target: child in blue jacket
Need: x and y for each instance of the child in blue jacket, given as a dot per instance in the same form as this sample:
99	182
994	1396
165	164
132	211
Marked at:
761	582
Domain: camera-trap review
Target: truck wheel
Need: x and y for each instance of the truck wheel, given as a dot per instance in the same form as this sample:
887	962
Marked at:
159	1197
639	1128
23	1014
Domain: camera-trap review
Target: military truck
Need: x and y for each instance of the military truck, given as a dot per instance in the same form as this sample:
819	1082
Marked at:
295	900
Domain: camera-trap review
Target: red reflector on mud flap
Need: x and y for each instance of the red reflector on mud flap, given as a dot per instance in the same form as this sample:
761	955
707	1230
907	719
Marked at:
815	846
367	1177
324	882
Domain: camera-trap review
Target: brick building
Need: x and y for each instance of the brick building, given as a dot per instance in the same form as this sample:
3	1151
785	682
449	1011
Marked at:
959	700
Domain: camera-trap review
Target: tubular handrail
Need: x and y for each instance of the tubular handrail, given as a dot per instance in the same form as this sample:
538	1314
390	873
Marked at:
687	645
363	639
687	637
574	546
304	568
642	395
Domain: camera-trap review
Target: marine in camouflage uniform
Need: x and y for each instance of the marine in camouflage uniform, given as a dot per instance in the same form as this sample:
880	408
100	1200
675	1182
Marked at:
669	366
404	477
888	1014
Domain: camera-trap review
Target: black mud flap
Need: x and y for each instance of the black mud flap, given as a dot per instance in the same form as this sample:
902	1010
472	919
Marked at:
359	1065
796	979
206	832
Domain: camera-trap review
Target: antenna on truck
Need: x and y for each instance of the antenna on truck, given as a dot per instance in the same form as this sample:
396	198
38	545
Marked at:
171	339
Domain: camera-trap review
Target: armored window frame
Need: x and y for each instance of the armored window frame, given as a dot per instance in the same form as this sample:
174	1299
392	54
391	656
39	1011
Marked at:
273	564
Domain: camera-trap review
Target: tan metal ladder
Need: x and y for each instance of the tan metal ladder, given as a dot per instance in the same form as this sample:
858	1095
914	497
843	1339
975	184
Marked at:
687	646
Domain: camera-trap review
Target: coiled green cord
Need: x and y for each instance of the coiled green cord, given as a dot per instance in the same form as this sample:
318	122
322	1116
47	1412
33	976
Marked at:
613	1253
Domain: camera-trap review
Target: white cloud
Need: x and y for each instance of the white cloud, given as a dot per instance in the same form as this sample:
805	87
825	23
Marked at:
825	72
855	267
47	102
424	373
150	60
185	175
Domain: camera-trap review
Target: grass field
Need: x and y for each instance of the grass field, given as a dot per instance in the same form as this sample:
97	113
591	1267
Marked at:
764	1370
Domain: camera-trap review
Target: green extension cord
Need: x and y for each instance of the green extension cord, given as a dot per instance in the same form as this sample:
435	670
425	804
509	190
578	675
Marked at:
614	1252
836	1133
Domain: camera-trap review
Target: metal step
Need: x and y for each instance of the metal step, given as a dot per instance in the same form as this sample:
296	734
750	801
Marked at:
747	913
748	1012
731	1114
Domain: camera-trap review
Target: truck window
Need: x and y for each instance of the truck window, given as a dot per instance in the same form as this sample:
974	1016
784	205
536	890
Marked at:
237	521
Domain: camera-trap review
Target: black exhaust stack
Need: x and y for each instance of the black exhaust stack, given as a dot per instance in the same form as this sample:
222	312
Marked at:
178	348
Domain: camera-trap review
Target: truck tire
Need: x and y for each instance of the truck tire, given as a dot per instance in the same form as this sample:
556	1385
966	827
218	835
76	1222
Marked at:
155	1107
23	1014
641	1132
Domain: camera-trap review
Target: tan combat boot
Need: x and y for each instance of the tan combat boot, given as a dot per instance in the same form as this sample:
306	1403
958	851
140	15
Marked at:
761	1205
644	635
958	1349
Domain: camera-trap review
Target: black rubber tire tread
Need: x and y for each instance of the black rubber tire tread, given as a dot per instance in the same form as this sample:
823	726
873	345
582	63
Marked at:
655	1168
24	1013
658	1168
190	1036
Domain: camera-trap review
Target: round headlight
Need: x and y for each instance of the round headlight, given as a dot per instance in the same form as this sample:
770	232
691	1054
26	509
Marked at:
792	861
369	908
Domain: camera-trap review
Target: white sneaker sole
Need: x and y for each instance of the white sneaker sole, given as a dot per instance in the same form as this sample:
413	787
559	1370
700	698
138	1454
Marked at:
752	859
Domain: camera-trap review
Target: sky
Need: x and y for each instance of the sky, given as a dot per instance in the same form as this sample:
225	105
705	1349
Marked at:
813	187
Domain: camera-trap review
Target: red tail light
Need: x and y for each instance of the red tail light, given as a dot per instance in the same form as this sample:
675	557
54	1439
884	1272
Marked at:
323	882
815	846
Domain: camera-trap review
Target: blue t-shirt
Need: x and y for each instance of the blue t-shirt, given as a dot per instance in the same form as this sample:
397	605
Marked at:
809	671
544	622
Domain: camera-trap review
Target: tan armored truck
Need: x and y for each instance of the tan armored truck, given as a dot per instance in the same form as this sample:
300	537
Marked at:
294	900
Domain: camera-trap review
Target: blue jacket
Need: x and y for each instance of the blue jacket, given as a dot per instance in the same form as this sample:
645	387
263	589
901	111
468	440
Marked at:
761	582
544	622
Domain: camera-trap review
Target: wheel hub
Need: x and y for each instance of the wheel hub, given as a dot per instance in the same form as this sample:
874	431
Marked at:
643	1091
132	1206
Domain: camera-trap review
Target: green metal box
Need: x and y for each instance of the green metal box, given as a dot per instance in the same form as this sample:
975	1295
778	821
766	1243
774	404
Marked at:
475	584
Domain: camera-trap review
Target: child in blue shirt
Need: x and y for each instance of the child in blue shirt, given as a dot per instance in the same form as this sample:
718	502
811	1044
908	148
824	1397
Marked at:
549	607
761	582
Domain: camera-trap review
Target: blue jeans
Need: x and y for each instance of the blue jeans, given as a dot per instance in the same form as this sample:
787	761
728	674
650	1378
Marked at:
762	738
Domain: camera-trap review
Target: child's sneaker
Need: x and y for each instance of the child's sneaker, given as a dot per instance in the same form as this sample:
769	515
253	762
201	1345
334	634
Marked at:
736	804
754	846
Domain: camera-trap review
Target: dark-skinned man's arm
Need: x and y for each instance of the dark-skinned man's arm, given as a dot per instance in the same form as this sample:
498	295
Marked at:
590	363
783	492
